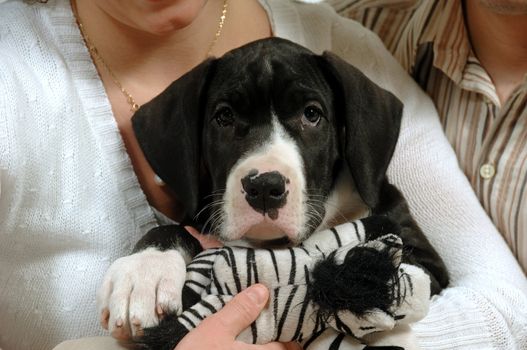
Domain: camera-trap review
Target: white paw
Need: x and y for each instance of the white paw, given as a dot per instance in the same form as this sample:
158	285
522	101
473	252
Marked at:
138	289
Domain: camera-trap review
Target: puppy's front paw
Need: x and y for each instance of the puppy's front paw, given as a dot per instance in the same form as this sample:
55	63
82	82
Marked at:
138	289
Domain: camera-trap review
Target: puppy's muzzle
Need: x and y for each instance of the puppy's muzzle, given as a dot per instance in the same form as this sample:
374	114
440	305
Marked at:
265	192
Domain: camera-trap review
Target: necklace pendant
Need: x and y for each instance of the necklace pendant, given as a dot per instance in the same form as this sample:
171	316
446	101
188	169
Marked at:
134	107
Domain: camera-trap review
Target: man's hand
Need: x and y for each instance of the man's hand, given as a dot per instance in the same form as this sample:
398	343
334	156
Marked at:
219	331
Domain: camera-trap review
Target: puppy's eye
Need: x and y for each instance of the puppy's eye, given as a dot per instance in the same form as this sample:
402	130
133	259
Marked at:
224	116
312	114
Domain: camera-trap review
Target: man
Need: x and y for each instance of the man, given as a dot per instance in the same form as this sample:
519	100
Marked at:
471	58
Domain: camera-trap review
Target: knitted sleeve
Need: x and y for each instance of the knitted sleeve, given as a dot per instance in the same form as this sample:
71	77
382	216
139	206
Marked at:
486	302
7	97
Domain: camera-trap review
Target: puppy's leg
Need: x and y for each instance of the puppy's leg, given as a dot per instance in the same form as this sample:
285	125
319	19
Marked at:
140	288
418	250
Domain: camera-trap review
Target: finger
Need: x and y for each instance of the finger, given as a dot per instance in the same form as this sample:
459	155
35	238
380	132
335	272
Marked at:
293	346
119	299
142	306
270	346
240	312
206	241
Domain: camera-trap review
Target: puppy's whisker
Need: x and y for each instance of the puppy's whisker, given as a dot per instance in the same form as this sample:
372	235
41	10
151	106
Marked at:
216	221
211	218
217	224
218	192
338	212
308	192
208	206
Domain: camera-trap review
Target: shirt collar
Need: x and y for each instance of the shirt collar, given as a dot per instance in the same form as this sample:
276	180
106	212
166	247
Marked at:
450	39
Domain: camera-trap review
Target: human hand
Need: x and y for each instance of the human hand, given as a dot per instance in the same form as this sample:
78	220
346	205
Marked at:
219	331
206	241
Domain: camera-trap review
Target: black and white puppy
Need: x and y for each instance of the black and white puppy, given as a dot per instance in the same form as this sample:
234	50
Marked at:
272	142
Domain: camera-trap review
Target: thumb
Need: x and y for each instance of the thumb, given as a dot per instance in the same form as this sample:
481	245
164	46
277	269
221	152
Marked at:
206	241
241	311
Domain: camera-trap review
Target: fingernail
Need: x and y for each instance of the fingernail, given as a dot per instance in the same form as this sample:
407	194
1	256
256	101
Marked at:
258	294
119	323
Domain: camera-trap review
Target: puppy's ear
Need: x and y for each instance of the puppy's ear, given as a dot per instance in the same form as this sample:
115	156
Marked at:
168	129
371	117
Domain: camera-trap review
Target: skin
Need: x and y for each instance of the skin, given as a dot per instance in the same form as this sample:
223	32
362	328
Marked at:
148	44
220	330
497	32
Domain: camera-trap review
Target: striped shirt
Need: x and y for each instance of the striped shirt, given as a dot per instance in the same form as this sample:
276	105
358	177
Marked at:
430	40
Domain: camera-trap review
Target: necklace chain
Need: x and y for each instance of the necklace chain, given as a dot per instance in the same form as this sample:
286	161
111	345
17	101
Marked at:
94	53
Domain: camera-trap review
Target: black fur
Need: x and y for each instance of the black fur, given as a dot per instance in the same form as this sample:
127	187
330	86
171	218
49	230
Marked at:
169	133
371	118
165	336
417	249
169	237
366	280
181	138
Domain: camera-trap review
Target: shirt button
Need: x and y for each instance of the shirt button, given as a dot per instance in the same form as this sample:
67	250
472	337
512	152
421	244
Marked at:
487	171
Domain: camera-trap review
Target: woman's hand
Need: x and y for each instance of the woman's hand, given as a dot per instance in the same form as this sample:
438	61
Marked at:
206	241
219	330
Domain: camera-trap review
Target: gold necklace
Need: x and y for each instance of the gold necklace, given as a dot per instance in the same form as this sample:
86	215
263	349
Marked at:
94	53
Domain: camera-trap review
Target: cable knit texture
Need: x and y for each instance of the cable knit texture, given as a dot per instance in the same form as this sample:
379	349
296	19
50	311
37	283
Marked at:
71	203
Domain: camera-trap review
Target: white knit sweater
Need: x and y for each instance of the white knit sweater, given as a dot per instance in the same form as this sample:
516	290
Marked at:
71	203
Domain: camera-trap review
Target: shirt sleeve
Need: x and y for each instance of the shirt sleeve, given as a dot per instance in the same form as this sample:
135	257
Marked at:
485	304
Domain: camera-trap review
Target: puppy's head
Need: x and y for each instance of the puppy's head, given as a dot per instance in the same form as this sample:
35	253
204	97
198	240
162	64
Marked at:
252	142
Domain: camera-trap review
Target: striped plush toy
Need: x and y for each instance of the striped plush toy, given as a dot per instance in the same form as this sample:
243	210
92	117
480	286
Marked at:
336	283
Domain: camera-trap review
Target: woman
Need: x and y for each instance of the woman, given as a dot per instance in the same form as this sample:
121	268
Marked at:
77	192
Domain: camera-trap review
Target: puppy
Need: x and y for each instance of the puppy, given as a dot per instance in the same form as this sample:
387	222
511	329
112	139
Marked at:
271	143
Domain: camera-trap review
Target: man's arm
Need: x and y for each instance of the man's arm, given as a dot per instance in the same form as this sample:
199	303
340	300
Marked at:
487	286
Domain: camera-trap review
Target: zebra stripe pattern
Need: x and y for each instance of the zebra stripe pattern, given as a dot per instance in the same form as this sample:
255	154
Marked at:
217	274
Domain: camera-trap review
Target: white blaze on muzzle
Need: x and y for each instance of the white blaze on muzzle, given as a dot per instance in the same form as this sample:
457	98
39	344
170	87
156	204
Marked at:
265	193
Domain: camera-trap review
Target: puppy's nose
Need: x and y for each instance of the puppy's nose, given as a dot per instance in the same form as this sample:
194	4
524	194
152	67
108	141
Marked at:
265	191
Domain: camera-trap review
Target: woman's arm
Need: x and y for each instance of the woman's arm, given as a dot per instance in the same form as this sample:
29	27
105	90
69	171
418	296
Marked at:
487	298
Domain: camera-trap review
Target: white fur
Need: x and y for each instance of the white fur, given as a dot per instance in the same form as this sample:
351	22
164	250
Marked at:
136	285
280	153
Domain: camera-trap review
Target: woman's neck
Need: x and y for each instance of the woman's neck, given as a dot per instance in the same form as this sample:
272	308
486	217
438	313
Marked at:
130	51
146	63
